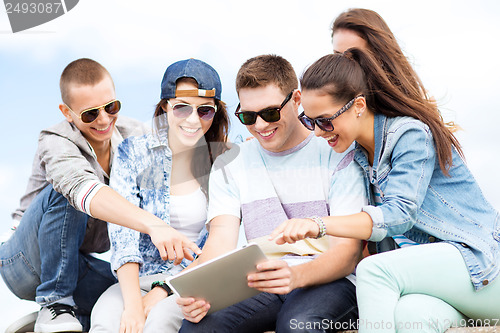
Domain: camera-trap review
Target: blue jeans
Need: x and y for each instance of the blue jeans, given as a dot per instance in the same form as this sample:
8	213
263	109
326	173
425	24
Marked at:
325	308
42	261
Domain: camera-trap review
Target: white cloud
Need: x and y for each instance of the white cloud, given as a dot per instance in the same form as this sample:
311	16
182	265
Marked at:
13	179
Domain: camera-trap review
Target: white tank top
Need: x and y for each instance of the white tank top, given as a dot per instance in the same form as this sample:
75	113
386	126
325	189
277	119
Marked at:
188	213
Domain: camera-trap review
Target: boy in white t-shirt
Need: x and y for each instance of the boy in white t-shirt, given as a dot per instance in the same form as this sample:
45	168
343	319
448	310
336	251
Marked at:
285	173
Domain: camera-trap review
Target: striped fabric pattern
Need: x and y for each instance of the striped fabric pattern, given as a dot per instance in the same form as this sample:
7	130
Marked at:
264	189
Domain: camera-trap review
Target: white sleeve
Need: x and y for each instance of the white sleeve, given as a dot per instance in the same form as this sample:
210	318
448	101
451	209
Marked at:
224	194
347	190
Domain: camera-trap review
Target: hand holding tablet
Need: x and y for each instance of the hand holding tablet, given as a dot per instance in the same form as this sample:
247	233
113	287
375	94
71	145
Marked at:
221	281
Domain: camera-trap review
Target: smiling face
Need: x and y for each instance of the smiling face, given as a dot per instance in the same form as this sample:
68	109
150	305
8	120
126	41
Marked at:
347	126
276	136
186	132
83	97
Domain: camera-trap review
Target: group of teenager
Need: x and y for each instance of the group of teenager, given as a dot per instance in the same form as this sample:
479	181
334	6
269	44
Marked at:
368	163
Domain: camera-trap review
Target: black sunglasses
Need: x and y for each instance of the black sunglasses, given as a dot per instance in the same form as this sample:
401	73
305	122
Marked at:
269	115
325	124
89	115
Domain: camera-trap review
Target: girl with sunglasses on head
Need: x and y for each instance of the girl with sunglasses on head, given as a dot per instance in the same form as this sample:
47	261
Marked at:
165	173
419	186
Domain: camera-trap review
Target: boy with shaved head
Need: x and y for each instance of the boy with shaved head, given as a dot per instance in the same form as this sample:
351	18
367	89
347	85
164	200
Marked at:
61	217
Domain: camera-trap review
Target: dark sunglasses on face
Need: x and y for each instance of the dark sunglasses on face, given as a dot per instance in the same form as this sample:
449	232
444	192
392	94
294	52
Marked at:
325	124
89	115
184	110
269	115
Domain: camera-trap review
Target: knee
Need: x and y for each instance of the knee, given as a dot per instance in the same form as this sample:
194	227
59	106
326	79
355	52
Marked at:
55	199
369	268
165	316
407	316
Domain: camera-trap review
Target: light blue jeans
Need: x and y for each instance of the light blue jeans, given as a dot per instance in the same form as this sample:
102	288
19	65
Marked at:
422	288
42	261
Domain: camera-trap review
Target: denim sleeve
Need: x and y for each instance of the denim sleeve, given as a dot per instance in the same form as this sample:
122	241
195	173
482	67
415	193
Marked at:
413	161
125	241
347	190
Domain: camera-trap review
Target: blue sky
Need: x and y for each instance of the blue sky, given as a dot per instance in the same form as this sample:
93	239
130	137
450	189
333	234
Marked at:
452	44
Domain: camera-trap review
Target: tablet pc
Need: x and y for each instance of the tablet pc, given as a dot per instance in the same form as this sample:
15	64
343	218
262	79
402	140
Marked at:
221	281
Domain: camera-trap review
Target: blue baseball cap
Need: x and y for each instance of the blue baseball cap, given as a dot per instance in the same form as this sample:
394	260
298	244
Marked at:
206	76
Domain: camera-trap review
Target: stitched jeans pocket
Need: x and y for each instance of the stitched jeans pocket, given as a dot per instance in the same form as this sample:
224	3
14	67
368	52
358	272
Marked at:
19	276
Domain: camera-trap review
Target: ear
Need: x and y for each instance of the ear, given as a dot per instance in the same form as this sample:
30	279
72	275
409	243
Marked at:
297	98
360	104
66	112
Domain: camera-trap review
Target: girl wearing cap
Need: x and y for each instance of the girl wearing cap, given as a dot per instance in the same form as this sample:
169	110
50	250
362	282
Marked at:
166	173
419	186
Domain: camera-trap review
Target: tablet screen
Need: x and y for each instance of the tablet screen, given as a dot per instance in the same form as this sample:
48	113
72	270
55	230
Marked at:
221	281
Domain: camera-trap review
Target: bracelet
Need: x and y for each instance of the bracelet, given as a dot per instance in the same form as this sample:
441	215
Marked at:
164	285
321	225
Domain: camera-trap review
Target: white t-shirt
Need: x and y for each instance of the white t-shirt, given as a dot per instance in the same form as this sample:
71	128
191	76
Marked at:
264	189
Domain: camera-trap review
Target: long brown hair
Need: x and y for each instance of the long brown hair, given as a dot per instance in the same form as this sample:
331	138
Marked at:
371	27
381	42
216	141
355	72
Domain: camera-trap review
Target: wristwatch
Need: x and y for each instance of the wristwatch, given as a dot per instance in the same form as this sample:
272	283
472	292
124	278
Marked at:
164	285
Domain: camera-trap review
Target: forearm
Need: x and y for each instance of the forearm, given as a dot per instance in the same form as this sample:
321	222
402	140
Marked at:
336	263
222	238
357	226
128	277
108	205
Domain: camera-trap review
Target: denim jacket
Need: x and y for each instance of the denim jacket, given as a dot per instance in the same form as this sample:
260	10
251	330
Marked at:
422	203
141	174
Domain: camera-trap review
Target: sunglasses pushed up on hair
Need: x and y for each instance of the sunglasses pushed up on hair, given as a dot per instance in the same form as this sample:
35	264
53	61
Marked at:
269	115
184	110
91	114
325	124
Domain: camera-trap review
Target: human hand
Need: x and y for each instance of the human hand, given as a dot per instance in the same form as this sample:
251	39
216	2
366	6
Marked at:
193	309
294	230
273	276
132	320
172	244
152	298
